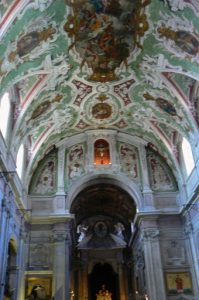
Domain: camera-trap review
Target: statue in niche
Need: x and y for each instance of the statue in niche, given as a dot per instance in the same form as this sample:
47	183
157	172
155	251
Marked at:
103	294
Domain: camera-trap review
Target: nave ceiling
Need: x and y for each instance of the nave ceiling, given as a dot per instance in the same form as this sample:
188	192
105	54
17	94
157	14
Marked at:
131	66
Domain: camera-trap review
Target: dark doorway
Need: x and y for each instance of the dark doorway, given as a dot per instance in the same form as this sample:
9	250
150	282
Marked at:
103	274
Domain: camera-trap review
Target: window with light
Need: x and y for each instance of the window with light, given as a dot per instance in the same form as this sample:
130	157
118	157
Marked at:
20	160
187	156
4	113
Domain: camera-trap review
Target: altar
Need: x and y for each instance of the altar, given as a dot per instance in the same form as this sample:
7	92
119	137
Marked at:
103	294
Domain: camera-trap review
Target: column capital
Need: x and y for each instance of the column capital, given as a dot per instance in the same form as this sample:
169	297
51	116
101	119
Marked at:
61	232
151	234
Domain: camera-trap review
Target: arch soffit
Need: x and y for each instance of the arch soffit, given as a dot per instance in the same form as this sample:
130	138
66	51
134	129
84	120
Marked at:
122	182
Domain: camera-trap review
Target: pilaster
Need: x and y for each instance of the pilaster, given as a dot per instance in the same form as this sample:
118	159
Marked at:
192	254
61	282
147	192
153	264
60	198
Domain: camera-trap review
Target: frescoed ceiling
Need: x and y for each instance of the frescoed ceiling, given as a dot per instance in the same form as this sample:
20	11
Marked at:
75	65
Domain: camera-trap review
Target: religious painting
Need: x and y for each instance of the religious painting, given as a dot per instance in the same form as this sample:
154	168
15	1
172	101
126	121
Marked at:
178	283
101	111
104	33
38	287
182	40
162	103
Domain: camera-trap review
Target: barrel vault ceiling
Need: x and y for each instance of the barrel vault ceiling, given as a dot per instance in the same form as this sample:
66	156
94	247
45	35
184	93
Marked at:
78	65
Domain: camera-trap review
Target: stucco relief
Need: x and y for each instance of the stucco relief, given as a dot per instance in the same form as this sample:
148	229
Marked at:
45	183
174	253
160	175
75	161
39	256
129	160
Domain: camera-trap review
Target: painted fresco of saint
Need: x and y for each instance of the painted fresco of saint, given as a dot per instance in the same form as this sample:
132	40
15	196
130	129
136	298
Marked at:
185	40
31	40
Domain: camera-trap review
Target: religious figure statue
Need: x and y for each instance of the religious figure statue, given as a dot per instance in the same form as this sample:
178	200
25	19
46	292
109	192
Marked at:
38	292
119	227
103	294
81	229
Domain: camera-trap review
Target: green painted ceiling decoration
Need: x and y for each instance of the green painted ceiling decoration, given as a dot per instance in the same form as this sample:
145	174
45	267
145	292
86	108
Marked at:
131	66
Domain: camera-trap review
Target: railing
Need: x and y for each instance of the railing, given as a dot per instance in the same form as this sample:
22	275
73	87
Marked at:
140	297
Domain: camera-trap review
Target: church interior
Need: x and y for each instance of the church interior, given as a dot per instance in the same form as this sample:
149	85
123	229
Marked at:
99	149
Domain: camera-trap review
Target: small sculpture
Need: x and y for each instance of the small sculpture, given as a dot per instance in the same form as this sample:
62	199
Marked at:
82	229
119	227
103	294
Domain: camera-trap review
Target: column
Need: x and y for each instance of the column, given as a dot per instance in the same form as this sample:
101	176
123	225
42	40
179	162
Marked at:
84	278
192	253
122	282
3	246
147	192
59	201
153	264
61	282
21	263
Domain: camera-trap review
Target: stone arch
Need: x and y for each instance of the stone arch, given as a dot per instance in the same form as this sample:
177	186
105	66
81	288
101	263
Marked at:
120	181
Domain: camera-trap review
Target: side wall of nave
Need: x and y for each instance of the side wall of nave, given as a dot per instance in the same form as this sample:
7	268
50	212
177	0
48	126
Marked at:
164	240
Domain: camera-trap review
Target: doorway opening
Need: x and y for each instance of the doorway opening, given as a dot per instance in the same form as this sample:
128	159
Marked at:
103	274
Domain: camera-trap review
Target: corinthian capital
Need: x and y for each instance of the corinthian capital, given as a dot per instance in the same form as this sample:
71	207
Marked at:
150	234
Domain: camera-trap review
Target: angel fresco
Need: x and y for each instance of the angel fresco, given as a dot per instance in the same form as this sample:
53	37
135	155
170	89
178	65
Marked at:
105	32
25	44
186	41
163	104
31	40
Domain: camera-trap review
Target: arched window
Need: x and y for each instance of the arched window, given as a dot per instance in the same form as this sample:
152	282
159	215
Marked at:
101	152
187	156
4	113
20	160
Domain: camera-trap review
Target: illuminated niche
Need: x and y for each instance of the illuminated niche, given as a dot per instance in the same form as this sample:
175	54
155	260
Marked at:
101	152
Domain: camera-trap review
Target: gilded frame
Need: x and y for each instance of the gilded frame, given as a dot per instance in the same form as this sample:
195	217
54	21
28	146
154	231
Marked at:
178	283
34	280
